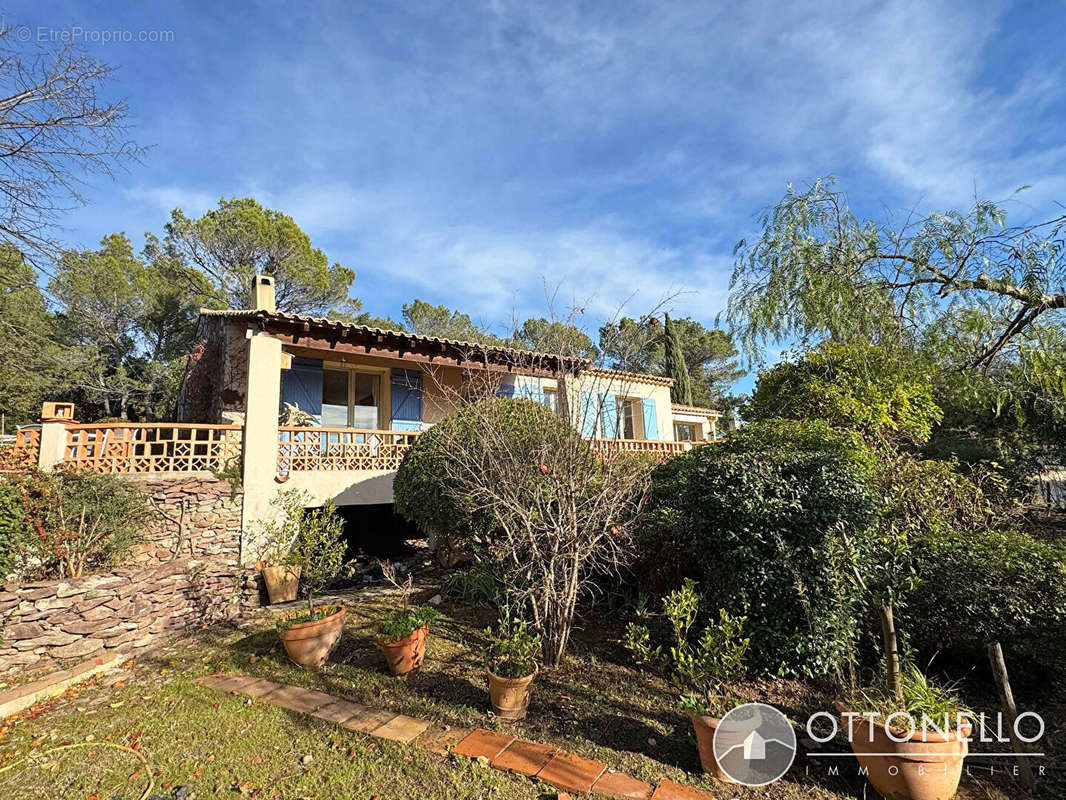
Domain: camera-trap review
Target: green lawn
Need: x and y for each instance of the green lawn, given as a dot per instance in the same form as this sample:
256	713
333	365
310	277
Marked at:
224	745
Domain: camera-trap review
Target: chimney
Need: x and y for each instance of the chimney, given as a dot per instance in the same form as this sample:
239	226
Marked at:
263	293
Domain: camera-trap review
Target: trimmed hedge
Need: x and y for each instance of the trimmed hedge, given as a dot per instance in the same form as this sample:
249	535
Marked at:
978	587
760	531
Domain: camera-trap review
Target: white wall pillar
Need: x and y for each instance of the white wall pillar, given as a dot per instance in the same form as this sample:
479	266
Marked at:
262	401
54	420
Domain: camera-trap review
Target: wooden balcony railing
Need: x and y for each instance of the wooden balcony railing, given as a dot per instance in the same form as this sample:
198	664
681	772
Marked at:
660	451
152	447
306	449
21	454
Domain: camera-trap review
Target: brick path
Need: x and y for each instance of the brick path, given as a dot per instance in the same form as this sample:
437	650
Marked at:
565	771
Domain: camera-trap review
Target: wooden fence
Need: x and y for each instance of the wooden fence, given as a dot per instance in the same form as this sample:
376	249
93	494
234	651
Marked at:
660	451
126	447
153	447
21	454
309	449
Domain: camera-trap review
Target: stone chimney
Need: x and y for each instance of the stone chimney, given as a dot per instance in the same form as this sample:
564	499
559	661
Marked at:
263	293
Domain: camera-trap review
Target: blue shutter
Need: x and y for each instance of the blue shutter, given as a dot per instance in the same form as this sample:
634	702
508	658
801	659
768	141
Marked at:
609	417
406	386
651	420
301	386
505	390
588	415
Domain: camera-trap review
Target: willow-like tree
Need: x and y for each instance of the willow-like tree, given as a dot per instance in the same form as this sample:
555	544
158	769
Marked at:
974	294
817	269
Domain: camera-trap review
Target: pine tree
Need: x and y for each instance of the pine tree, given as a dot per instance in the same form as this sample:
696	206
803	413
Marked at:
674	364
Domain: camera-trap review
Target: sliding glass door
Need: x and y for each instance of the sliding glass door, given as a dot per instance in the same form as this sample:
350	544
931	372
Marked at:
351	399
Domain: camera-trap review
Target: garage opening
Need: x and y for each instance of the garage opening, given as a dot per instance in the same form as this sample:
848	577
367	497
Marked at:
378	531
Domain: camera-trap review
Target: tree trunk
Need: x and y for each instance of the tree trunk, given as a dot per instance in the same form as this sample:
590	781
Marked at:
888	633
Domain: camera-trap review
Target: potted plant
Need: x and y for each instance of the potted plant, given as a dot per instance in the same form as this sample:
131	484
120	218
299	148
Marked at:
275	541
402	633
918	731
512	664
911	748
702	670
310	633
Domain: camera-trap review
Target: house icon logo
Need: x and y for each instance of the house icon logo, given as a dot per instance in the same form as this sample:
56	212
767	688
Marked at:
755	744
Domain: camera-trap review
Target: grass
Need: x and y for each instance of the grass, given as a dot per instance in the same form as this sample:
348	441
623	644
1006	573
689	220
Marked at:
925	702
222	745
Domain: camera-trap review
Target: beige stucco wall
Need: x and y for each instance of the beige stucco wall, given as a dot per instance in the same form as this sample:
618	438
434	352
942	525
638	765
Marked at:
260	437
345	488
622	386
708	425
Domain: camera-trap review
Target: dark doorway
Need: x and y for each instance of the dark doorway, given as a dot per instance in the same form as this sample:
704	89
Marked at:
377	531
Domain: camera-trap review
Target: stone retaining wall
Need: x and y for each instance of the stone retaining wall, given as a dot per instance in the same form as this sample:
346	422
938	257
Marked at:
185	573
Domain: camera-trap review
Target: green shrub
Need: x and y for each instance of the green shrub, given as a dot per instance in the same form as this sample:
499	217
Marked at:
700	669
421	490
977	587
800	436
14	533
79	521
513	649
760	530
880	394
402	622
475	584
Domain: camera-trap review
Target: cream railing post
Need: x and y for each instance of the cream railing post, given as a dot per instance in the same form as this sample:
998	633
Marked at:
54	420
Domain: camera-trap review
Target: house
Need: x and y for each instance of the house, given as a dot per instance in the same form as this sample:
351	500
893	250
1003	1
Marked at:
367	394
363	396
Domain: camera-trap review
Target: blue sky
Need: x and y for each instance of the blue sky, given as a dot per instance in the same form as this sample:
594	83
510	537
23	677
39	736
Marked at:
473	153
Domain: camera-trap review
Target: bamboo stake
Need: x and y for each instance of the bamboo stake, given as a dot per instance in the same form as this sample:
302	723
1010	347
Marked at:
1006	699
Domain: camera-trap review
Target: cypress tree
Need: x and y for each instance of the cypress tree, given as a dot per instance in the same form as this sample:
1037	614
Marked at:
674	362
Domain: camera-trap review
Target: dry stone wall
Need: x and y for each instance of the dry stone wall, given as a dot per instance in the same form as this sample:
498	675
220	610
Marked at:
184	574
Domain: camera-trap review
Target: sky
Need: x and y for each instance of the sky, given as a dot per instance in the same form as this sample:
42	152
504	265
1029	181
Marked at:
497	157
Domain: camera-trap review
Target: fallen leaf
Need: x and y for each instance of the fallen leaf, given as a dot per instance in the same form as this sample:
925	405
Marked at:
257	760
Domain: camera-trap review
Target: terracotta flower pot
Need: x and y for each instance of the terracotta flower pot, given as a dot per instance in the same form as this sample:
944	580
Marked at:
705	726
282	582
927	766
510	696
310	643
405	655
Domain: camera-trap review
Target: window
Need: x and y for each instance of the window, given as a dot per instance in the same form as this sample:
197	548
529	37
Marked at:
366	400
335	398
687	431
629	419
551	399
351	399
